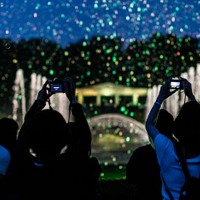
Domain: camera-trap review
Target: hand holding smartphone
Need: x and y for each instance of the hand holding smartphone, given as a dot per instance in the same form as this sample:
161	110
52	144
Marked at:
176	83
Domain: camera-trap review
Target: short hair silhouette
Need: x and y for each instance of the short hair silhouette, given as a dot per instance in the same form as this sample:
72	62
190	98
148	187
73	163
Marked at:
187	123
47	132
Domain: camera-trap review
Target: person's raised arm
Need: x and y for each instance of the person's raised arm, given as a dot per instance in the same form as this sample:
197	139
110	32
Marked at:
164	93
188	89
40	102
81	132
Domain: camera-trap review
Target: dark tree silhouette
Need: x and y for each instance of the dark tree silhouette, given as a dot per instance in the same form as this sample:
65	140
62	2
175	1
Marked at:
100	59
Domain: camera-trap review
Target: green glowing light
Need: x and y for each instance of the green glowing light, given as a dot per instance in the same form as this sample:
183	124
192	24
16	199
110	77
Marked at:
66	53
96	112
123	108
126	112
20	97
114	59
114	72
51	72
128	139
84	44
42	53
88	73
132	114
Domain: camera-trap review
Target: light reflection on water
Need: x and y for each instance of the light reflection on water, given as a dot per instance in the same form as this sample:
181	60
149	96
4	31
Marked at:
115	137
112	149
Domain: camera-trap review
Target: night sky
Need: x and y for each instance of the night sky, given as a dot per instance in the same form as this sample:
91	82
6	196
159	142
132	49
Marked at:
66	22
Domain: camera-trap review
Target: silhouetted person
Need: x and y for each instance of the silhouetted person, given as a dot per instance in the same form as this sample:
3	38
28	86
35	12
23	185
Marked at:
8	137
186	131
53	158
142	169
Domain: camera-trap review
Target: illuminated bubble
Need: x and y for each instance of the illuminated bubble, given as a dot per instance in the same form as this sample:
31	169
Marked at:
129	151
121	167
114	159
132	114
20	97
128	139
51	72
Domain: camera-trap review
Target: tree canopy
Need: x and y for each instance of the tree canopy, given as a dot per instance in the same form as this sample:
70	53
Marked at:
100	59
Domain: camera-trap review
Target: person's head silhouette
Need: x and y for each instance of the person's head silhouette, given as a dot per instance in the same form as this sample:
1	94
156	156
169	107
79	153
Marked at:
47	132
187	124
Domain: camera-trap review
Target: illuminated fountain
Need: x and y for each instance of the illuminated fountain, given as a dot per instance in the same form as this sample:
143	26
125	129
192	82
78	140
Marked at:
19	91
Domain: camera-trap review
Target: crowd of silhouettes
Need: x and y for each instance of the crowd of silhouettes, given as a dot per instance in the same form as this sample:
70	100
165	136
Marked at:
49	157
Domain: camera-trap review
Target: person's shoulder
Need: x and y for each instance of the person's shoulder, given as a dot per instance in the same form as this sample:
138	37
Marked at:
146	147
142	153
161	137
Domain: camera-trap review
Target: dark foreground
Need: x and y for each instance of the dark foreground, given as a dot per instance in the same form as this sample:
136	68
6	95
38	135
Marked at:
114	189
